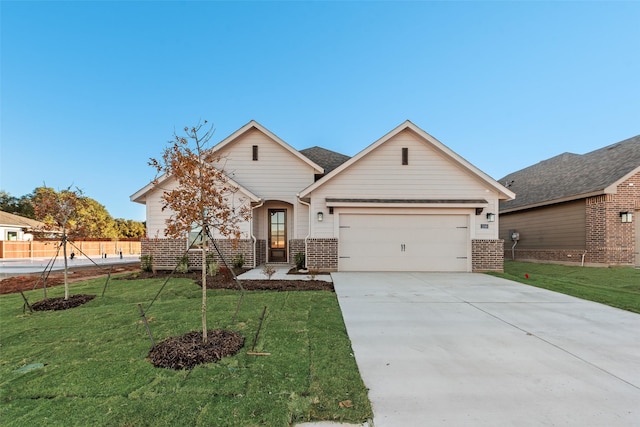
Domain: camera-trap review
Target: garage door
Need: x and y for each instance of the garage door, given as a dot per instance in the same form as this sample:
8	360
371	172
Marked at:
403	243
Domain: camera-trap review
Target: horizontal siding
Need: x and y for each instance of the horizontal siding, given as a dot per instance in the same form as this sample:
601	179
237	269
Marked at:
429	174
276	175
157	218
561	226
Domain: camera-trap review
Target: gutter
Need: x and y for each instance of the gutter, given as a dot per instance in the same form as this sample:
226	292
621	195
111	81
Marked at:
309	227
251	231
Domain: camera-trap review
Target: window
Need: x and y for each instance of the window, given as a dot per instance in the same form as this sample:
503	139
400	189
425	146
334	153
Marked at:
255	153
405	156
194	240
12	235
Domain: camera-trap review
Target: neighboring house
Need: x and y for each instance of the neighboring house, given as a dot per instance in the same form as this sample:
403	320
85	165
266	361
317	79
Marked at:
577	208
16	227
406	202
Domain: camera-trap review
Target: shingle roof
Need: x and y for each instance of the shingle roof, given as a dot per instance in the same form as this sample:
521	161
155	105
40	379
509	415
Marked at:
569	175
328	159
10	219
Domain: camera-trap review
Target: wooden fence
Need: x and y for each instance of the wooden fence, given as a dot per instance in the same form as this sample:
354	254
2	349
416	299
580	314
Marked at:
48	248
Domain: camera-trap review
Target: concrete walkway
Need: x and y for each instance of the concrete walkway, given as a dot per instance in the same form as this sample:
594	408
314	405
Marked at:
21	266
439	349
280	274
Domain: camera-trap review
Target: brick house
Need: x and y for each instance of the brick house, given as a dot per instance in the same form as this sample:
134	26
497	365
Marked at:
576	208
406	202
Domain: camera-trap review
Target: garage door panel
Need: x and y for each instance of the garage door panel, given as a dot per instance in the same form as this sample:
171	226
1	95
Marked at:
403	242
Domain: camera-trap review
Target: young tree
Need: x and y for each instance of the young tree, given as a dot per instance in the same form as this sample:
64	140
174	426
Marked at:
203	197
59	211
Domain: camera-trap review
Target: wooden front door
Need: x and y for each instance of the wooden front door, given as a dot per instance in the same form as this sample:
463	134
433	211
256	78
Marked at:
277	235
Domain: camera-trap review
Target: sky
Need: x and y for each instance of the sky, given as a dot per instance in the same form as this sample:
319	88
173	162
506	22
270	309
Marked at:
89	91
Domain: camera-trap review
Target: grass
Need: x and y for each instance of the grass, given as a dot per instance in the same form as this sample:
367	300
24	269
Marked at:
615	286
95	372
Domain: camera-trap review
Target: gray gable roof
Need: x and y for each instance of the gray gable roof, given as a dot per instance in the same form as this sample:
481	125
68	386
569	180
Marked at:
569	176
328	159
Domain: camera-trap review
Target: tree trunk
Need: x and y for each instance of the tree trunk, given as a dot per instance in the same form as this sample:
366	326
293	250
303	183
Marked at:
64	254
204	284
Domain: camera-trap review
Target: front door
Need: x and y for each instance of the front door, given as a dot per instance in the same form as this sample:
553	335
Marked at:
277	235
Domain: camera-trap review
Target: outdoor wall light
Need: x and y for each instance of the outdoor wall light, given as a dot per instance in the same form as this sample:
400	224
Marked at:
491	217
320	216
626	216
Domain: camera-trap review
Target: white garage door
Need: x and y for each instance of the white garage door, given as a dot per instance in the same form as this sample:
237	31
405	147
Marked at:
403	243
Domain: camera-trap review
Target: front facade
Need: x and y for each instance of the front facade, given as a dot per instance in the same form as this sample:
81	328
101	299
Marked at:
577	208
405	203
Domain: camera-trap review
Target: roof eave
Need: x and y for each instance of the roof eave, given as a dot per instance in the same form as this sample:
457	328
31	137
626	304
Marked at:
555	201
503	192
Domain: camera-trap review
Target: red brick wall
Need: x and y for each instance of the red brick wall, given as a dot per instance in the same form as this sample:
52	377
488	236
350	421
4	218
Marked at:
487	255
609	240
322	254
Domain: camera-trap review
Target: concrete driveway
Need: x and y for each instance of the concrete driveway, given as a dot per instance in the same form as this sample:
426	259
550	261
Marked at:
462	349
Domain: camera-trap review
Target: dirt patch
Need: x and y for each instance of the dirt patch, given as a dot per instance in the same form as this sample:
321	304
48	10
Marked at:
188	350
222	280
26	283
60	303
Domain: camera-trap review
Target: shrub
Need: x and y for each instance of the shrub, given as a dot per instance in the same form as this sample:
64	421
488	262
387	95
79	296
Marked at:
238	261
213	268
146	262
183	264
300	260
268	271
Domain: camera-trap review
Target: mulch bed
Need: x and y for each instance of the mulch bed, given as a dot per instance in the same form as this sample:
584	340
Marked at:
224	280
188	350
60	303
27	282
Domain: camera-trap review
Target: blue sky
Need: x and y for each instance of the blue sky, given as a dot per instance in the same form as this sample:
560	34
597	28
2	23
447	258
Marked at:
91	90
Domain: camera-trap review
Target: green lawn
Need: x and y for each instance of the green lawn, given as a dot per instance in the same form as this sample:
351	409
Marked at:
95	372
615	286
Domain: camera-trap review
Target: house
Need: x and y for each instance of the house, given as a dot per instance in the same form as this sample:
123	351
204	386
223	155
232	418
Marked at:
406	202
576	208
16	227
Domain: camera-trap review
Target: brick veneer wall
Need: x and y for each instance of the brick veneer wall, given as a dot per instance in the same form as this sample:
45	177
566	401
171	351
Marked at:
563	256
295	246
487	255
261	252
166	252
322	254
609	241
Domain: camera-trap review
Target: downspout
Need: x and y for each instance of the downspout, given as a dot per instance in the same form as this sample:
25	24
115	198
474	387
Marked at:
309	227
513	250
251	228
582	262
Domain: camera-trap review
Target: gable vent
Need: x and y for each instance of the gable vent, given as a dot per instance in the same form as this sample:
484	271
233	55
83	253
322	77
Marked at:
255	152
405	156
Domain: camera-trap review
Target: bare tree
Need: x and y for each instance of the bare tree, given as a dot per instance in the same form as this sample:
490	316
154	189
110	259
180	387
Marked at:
204	196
